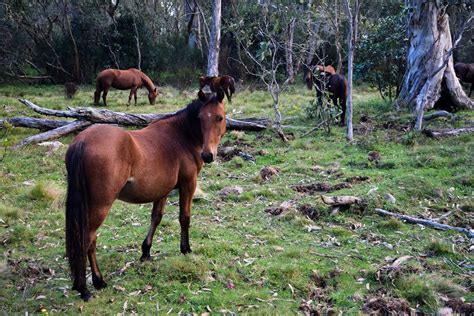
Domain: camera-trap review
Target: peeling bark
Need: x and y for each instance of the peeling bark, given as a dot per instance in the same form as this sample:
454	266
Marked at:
429	60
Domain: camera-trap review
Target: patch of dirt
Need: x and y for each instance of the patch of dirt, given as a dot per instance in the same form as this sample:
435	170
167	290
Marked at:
268	172
357	179
309	211
459	306
387	306
283	208
320	187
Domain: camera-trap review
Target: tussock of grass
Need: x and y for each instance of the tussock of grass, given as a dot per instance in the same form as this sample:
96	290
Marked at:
43	192
8	212
391	224
190	268
447	287
418	292
440	248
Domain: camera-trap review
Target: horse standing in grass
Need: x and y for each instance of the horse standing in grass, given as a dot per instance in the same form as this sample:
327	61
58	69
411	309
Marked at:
105	163
226	83
123	80
329	80
465	72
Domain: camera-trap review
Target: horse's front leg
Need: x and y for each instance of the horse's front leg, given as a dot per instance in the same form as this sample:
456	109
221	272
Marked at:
156	215
229	97
472	87
186	192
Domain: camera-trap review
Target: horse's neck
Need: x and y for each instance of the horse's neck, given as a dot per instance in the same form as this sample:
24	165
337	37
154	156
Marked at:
180	123
147	82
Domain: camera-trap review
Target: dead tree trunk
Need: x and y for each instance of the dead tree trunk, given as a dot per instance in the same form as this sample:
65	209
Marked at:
430	48
137	42
352	15
337	38
213	56
77	68
290	72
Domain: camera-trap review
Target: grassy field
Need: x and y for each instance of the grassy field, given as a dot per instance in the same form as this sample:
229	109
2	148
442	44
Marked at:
247	256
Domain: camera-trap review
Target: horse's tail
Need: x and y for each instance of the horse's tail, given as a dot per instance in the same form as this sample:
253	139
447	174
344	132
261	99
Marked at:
231	85
77	219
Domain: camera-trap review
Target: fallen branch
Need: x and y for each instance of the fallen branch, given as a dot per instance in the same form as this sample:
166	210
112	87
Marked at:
105	116
447	131
341	200
436	114
55	133
31	122
425	222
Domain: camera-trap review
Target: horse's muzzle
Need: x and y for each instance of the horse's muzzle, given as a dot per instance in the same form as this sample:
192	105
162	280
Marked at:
207	157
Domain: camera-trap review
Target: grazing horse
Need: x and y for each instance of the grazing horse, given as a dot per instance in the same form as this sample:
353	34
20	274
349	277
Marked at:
123	80
226	83
105	163
465	72
332	82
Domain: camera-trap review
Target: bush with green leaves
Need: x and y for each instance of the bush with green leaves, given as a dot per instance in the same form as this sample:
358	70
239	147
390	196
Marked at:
382	55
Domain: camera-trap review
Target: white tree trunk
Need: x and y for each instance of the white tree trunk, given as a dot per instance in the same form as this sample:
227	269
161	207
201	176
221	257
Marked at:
351	39
430	45
213	56
290	72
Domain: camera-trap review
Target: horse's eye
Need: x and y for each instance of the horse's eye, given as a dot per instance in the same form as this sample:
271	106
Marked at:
219	118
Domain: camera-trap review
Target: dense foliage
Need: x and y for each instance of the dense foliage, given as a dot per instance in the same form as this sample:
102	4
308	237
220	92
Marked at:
382	54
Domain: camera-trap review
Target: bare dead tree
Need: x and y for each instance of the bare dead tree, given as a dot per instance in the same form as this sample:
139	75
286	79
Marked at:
290	30
213	56
429	60
352	14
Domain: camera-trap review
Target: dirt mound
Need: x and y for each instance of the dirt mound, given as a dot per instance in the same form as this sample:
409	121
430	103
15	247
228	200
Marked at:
387	306
320	187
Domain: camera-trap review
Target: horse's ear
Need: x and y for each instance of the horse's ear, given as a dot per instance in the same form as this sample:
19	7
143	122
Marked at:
220	95
155	90
202	96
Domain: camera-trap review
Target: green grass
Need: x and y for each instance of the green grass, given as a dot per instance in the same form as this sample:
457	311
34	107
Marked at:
244	259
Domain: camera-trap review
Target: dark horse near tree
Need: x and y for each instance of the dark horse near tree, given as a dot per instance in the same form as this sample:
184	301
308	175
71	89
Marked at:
328	80
105	163
465	72
123	80
226	83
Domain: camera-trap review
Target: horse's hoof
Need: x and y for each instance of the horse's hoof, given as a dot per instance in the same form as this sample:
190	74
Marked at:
145	258
99	284
86	296
186	250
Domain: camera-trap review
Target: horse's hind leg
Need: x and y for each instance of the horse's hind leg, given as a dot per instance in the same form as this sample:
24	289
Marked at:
472	87
104	96
97	217
156	215
97	278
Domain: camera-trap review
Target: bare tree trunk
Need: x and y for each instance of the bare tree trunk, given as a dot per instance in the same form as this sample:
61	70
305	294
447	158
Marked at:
137	40
77	68
312	41
290	30
213	56
430	43
351	41
337	38
193	16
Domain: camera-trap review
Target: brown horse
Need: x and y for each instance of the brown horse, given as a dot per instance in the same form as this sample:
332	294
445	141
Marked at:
465	72
123	80
105	163
335	84
226	83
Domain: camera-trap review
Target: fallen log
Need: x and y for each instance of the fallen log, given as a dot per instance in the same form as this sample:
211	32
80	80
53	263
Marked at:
436	114
55	133
341	200
447	131
31	122
105	116
425	222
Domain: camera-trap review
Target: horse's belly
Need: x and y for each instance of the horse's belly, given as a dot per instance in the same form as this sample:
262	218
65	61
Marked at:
139	191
